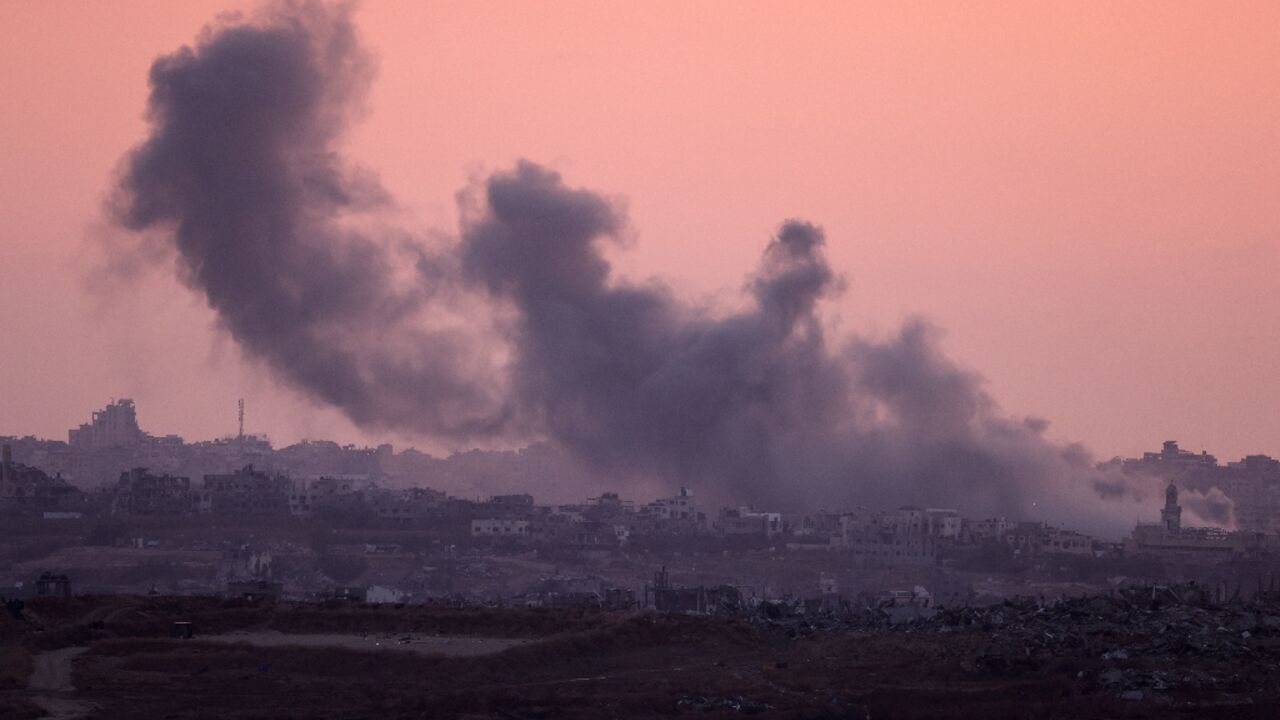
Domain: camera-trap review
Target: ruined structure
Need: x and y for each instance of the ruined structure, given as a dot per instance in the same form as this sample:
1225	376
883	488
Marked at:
30	488
141	492
53	585
116	425
666	597
246	491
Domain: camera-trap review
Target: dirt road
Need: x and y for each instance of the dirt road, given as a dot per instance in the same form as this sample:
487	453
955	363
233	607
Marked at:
426	644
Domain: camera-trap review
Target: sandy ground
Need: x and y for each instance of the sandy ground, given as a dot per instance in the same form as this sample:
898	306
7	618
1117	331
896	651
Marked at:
51	676
425	644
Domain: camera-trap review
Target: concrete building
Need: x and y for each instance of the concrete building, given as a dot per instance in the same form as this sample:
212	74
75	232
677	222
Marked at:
518	503
819	526
24	488
1057	541
1252	483
991	529
500	527
884	548
140	492
1173	462
53	585
1170	539
679	507
852	523
556	525
1032	539
943	523
381	594
310	494
406	506
746	521
116	425
246	492
906	520
663	596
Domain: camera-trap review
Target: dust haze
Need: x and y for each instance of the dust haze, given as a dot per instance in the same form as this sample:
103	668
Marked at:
514	327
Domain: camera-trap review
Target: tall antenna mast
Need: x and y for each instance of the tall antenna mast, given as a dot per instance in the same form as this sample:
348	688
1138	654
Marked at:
241	435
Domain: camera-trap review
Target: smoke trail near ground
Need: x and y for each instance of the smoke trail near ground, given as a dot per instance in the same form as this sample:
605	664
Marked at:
241	176
1212	508
756	402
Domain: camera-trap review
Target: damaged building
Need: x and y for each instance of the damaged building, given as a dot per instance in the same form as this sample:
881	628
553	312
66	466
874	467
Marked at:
1169	538
663	596
1252	484
141	492
24	488
246	492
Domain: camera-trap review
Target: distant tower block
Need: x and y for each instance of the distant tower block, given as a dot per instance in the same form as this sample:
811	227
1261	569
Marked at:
116	425
240	434
1172	512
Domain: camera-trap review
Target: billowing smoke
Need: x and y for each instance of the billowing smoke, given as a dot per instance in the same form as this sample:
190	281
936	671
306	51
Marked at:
241	176
756	402
1212	508
240	173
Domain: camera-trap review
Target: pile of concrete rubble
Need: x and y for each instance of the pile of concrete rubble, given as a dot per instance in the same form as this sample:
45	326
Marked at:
1137	642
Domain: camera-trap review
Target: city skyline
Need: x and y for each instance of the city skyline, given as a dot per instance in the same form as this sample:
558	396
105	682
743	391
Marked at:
1219	492
1083	211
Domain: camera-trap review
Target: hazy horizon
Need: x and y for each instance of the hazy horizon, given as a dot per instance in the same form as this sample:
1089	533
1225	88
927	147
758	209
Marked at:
1080	196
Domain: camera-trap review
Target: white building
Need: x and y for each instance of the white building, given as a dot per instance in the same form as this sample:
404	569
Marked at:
942	523
980	531
383	594
1065	542
933	522
680	507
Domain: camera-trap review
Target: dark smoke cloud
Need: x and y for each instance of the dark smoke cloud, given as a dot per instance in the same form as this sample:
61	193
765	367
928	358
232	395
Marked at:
240	173
625	374
755	405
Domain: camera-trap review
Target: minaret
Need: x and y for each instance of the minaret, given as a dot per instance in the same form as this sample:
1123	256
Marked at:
6	464
1172	512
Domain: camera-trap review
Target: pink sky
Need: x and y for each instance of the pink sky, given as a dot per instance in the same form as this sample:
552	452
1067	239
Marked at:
1085	196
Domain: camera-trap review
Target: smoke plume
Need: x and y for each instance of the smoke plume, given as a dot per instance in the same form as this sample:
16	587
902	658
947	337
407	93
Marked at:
1213	508
240	173
1205	507
241	177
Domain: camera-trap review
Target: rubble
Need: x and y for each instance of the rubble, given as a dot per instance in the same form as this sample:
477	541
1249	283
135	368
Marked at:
734	703
1133	643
